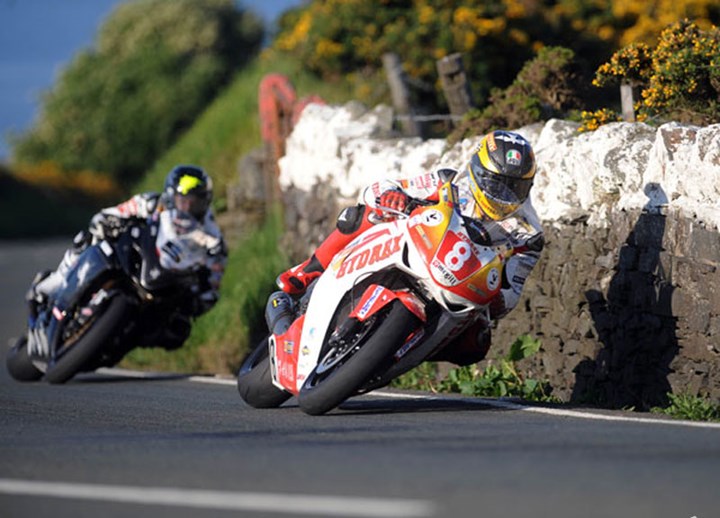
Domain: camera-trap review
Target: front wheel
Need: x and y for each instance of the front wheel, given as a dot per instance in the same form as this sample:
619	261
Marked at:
19	364
90	343
340	373
254	380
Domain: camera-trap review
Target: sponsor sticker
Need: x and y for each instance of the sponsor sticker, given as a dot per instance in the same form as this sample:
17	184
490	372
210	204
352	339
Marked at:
513	157
493	279
433	218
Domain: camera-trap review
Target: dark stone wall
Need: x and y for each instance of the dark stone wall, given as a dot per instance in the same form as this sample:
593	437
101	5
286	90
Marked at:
626	313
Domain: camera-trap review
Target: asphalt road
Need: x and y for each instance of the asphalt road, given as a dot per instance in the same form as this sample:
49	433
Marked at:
113	445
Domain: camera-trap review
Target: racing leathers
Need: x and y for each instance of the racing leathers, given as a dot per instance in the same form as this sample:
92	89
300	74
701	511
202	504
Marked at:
140	207
522	230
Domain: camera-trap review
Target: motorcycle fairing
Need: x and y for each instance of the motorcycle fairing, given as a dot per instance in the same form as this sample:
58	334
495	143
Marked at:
377	297
284	351
455	262
92	263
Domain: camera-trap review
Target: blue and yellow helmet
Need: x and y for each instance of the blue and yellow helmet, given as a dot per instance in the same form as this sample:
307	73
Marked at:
502	170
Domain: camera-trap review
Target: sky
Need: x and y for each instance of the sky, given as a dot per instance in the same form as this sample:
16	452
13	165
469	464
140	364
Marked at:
39	37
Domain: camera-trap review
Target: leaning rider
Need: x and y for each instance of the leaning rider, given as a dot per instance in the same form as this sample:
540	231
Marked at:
494	187
188	191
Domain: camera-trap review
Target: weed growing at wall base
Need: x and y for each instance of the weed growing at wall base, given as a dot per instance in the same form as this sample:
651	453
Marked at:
693	408
500	378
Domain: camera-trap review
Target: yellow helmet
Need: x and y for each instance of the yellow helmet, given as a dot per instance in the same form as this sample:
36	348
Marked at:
502	171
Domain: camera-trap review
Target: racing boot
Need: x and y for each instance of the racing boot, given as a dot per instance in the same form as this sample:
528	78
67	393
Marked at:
36	298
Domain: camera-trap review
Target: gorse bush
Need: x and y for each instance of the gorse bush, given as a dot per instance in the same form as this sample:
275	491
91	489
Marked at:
678	79
155	66
349	37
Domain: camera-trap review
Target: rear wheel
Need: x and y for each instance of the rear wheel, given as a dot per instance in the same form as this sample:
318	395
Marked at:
346	368
19	364
88	345
254	380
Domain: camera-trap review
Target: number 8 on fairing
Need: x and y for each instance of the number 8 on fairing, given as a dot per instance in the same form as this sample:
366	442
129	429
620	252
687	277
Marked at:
455	259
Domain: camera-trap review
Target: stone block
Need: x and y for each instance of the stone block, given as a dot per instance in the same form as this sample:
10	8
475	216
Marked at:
704	245
695	348
606	262
678	241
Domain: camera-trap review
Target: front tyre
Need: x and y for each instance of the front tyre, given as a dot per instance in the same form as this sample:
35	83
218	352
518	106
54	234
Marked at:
254	380
89	345
19	364
330	384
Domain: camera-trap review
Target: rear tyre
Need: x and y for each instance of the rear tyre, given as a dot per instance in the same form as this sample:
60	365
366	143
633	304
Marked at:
323	391
19	364
90	344
254	380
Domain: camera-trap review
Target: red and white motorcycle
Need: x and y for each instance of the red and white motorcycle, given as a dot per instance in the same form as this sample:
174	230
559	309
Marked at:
389	300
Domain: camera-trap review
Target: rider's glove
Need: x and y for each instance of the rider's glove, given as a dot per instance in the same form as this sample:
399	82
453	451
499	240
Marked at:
393	199
106	226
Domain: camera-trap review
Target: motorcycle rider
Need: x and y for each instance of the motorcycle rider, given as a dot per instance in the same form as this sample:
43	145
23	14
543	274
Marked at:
494	189
188	191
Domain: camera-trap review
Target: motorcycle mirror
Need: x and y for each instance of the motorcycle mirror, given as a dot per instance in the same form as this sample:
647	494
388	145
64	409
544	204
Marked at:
447	174
536	243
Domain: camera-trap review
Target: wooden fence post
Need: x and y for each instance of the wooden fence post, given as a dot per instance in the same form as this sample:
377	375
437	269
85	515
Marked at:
399	92
627	102
455	84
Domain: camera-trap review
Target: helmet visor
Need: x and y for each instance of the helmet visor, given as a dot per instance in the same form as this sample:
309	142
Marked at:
504	189
193	204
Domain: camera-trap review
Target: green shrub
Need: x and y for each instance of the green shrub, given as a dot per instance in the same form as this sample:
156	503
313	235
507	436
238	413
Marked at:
155	66
543	89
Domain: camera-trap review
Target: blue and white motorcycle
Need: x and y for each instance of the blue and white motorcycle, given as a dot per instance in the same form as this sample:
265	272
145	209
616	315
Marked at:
125	291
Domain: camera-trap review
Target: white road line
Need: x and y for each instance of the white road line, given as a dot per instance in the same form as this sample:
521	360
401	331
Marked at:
558	412
316	505
498	403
